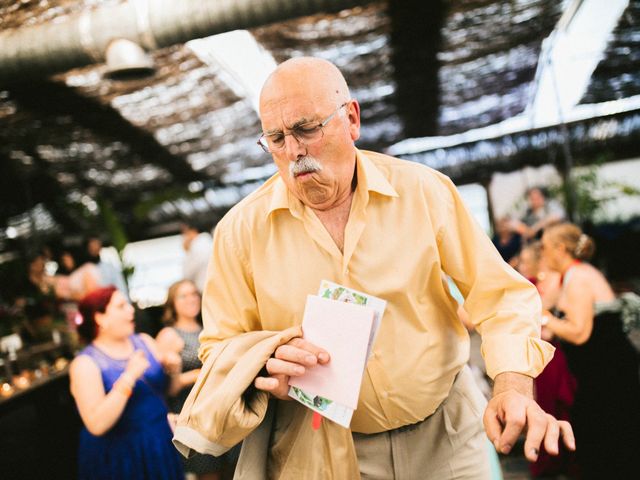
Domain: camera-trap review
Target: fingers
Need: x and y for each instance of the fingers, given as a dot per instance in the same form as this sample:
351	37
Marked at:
506	417
492	425
568	438
138	355
139	359
276	366
514	422
268	384
172	363
277	385
321	354
552	436
297	355
554	429
540	426
290	360
137	363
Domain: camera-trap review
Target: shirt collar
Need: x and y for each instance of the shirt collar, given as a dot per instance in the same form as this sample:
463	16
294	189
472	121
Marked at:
280	196
370	179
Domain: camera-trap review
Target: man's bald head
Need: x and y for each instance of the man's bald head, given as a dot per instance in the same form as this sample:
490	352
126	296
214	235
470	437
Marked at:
310	95
318	79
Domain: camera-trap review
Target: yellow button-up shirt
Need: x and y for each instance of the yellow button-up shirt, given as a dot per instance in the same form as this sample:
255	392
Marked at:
407	225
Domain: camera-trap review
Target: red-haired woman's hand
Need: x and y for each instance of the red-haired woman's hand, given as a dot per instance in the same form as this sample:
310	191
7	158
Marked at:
136	366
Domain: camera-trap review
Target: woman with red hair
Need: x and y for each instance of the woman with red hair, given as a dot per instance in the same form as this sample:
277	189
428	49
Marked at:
118	383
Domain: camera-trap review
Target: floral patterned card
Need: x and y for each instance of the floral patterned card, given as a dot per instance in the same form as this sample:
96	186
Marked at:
335	411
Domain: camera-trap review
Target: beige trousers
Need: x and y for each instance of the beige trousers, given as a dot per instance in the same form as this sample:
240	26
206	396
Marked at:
449	444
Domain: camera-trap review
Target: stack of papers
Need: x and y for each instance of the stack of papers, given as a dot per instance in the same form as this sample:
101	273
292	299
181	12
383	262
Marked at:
345	323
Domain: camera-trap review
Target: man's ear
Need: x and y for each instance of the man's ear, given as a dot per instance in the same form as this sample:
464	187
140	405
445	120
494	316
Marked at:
353	115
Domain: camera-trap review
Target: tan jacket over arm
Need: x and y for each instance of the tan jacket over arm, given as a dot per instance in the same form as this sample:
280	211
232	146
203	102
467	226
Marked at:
216	415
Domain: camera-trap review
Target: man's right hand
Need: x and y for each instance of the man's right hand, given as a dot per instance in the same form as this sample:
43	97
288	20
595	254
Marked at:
290	360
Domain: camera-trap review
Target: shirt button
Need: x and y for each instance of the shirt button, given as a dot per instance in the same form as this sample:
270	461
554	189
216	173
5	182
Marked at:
385	394
346	272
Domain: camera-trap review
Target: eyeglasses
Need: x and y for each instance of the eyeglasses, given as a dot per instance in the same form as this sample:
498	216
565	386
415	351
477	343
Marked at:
305	134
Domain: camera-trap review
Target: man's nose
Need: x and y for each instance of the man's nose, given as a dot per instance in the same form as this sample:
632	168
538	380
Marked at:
294	147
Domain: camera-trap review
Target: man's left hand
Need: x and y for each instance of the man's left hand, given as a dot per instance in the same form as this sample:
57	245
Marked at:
512	410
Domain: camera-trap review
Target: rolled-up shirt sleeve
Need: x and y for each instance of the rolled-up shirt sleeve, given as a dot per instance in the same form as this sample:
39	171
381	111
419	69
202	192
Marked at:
504	307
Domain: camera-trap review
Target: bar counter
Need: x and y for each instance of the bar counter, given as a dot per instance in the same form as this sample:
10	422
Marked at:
39	427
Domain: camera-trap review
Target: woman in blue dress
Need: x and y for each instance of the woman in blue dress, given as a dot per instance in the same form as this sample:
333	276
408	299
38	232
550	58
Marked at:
118	383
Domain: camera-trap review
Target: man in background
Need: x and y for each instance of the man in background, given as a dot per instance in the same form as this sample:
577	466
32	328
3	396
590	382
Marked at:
108	273
197	246
541	213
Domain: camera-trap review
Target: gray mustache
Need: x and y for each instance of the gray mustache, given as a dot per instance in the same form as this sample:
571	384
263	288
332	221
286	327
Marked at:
306	164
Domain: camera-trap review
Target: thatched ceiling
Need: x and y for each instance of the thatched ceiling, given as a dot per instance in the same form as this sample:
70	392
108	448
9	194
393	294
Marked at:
181	143
618	73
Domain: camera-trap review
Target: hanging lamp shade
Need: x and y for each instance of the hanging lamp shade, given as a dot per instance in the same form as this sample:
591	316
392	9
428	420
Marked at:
126	60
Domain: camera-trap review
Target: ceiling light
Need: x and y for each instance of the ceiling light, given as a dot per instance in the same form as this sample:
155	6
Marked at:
126	60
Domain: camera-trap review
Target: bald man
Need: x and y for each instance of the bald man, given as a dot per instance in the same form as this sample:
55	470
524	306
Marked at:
389	228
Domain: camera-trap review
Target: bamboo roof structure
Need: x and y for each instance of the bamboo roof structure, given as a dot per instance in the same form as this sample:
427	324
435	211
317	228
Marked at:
181	143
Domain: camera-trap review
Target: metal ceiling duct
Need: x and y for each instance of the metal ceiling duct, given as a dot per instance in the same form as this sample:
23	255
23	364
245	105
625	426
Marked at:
82	39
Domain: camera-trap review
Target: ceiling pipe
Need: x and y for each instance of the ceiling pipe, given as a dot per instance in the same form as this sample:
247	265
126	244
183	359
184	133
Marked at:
82	39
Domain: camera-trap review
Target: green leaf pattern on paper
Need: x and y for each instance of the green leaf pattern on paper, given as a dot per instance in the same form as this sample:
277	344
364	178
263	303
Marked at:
317	402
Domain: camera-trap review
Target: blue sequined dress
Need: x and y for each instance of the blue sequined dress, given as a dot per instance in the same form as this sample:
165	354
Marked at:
139	445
